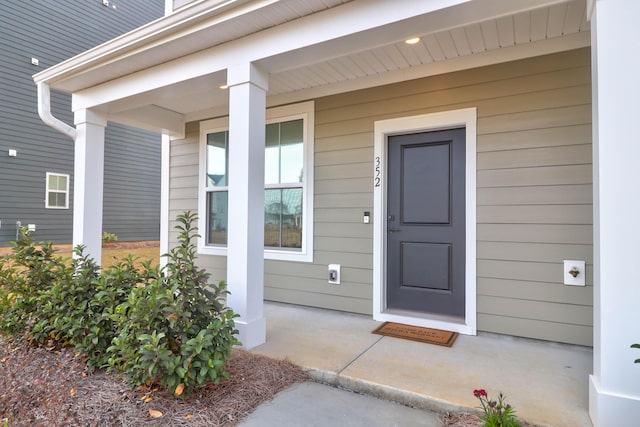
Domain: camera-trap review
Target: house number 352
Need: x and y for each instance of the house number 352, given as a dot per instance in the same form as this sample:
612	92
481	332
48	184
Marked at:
376	179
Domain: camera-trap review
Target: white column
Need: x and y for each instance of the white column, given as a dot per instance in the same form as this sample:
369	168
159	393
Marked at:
164	198
614	387
245	243
88	170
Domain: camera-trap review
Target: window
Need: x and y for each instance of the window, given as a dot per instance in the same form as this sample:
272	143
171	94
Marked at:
283	178
217	160
57	196
288	184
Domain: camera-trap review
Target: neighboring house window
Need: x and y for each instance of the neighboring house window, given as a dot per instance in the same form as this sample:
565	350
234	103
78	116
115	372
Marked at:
288	184
57	196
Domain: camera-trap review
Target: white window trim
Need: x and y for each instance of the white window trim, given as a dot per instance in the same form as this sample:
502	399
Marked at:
304	110
46	191
428	122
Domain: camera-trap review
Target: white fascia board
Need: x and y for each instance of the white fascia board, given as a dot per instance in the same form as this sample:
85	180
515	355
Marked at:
144	37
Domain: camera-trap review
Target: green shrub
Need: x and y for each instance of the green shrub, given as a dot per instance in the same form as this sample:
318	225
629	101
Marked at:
63	308
24	274
109	237
169	327
175	330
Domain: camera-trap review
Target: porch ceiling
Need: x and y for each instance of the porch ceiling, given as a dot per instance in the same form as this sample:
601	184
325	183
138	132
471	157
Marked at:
562	19
457	34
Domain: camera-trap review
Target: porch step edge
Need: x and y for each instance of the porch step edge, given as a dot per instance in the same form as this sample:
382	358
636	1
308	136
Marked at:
381	391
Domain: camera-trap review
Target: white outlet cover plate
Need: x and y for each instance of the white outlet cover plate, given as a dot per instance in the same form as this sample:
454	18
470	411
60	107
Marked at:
569	264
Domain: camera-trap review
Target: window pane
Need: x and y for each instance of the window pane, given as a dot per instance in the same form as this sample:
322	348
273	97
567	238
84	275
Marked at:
283	218
284	153
62	183
217	159
272	213
291	161
217	209
291	132
53	182
56	200
272	154
291	151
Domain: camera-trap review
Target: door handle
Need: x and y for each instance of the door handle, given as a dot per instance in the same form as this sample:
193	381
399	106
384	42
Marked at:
393	230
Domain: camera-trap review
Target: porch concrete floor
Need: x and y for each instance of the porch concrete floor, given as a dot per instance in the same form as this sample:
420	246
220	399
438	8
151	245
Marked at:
547	383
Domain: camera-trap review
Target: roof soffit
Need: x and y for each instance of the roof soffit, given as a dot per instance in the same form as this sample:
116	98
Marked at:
321	49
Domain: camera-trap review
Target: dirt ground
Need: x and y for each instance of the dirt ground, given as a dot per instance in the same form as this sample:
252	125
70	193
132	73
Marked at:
42	388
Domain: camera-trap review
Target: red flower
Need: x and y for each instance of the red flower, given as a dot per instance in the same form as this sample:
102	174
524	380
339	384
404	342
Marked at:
478	393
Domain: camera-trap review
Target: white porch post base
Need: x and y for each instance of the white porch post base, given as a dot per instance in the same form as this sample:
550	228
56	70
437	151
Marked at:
614	387
252	333
245	245
605	407
88	169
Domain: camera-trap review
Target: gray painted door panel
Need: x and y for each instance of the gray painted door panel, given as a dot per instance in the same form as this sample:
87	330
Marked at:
426	222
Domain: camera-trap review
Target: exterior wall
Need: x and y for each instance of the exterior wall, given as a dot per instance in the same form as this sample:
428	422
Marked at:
534	193
131	208
179	3
53	32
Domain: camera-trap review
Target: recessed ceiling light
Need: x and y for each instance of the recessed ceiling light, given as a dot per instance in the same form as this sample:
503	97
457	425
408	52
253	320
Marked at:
413	40
223	87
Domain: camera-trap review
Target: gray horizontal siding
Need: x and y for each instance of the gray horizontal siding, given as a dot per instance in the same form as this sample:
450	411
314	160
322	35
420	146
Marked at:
53	32
534	191
132	183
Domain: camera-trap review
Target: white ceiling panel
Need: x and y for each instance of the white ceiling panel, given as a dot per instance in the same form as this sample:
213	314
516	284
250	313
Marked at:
557	15
476	40
506	34
539	24
522	28
394	54
447	45
433	46
460	39
575	13
490	35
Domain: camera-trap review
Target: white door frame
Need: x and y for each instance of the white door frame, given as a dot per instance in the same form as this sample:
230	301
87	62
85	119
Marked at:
424	123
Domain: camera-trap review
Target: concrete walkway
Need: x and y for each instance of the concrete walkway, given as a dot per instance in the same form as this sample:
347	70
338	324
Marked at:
546	383
317	405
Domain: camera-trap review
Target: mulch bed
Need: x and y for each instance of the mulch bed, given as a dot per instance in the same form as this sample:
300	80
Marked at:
43	388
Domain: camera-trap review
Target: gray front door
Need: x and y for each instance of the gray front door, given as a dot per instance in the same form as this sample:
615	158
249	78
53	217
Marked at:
426	222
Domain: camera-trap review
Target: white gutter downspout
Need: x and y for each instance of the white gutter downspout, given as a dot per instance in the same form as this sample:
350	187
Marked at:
44	111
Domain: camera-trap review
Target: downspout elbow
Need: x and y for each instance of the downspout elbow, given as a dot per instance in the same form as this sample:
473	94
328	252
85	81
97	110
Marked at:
44	111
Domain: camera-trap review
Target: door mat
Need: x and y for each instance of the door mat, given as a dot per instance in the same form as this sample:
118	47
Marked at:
415	333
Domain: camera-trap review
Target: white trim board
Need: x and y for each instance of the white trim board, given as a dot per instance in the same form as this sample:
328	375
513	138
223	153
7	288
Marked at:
423	123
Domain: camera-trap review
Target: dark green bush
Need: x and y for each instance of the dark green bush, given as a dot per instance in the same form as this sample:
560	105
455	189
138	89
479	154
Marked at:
169	327
24	274
175	329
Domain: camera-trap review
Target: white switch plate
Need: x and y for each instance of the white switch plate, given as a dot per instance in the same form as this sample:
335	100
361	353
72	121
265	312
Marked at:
334	274
577	265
